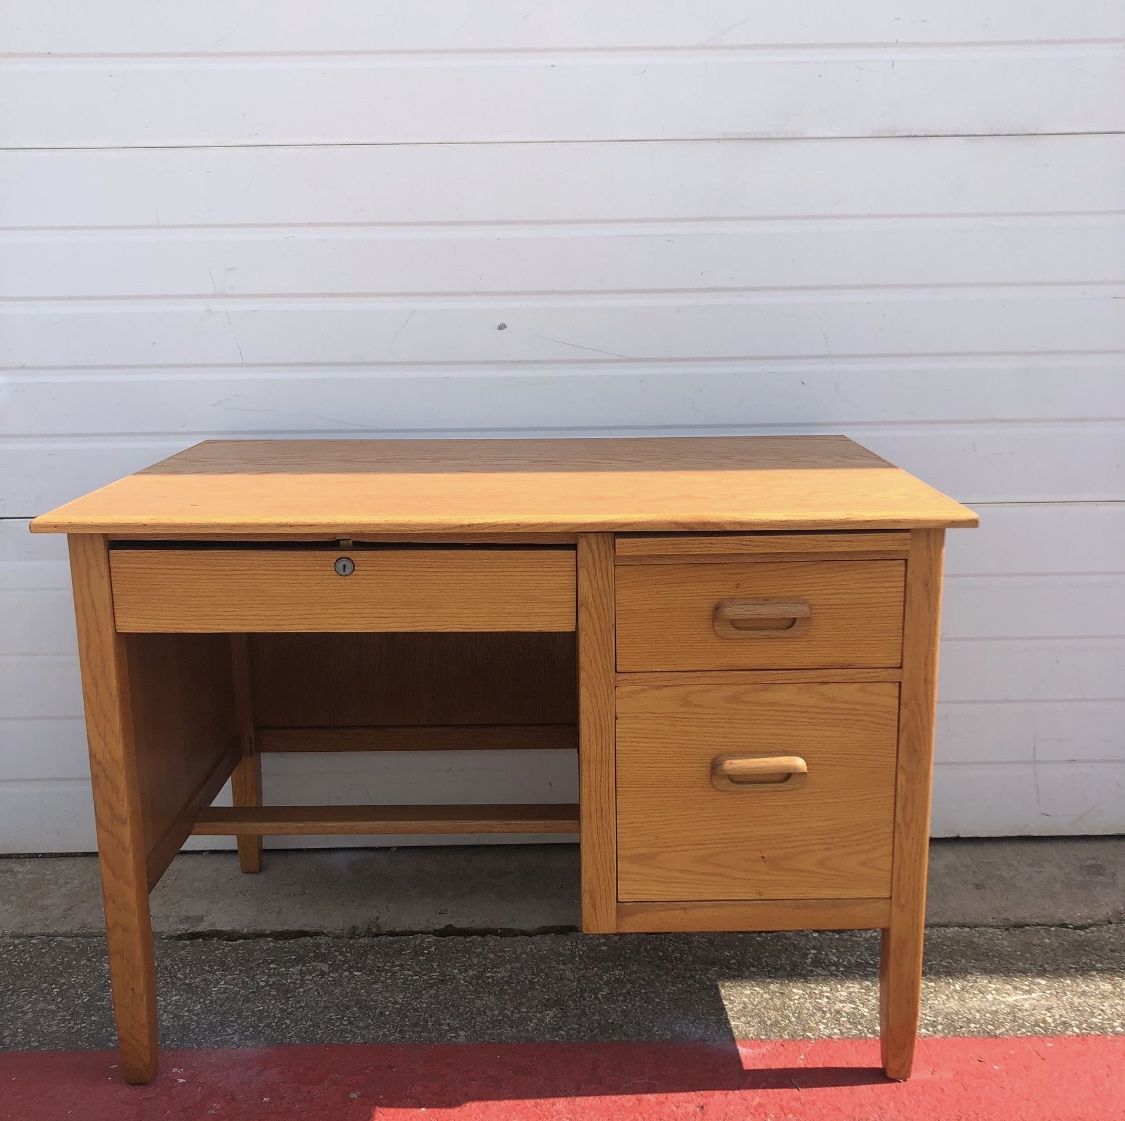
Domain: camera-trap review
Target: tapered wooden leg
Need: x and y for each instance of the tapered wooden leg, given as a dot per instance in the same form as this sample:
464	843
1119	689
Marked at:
246	790
117	808
246	782
132	967
900	992
900	968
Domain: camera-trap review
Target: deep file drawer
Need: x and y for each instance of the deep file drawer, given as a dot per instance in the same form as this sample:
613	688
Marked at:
738	792
760	615
394	589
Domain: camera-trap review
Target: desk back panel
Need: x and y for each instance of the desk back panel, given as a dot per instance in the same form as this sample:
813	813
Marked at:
348	683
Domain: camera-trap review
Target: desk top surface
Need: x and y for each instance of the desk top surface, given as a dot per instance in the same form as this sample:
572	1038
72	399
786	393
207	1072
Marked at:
349	488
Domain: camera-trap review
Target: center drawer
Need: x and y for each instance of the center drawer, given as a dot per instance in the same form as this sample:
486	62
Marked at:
343	589
760	615
741	792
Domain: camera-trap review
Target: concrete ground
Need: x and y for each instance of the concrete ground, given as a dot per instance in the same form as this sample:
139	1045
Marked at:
479	945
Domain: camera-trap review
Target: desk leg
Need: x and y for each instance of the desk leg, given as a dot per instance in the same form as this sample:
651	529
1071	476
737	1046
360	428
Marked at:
598	794
900	966
246	782
117	807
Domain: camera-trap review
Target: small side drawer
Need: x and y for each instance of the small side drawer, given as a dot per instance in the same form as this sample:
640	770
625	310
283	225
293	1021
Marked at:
740	792
760	615
393	589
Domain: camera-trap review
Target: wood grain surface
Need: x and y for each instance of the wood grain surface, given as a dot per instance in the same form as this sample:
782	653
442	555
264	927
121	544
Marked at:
350	487
246	781
421	737
652	548
681	839
231	590
184	722
118	809
326	681
387	820
900	963
596	765
665	615
757	914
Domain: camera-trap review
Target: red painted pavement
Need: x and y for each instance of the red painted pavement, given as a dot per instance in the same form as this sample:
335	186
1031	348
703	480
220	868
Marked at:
1071	1078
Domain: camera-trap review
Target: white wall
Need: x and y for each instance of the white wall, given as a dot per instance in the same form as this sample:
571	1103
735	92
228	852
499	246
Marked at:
898	220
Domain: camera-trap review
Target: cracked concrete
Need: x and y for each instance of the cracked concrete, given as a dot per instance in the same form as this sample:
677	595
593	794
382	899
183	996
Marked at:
1076	881
419	988
1026	937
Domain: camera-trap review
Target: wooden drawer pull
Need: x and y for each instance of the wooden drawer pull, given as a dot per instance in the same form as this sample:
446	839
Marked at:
761	618
743	772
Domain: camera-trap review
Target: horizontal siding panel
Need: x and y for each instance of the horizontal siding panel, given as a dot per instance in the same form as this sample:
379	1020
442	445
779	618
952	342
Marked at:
1041	538
1020	669
46	817
18	578
394	778
562	328
1066	461
394	184
973	464
1031	732
1034	607
1049	799
589	396
829	92
819	254
44	749
36	622
32	688
31	561
290	26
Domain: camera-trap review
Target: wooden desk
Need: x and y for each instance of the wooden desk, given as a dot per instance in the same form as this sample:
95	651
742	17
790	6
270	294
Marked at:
754	623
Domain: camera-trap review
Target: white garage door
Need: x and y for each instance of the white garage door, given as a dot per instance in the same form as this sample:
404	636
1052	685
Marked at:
902	221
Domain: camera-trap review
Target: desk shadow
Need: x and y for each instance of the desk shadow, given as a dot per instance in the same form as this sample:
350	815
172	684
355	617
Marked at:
448	1077
549	989
362	1082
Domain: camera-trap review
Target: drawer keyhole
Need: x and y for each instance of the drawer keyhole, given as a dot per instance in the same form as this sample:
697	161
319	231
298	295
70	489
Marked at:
344	566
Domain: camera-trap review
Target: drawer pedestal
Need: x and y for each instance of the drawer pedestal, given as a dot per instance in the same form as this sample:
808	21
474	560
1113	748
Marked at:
829	671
